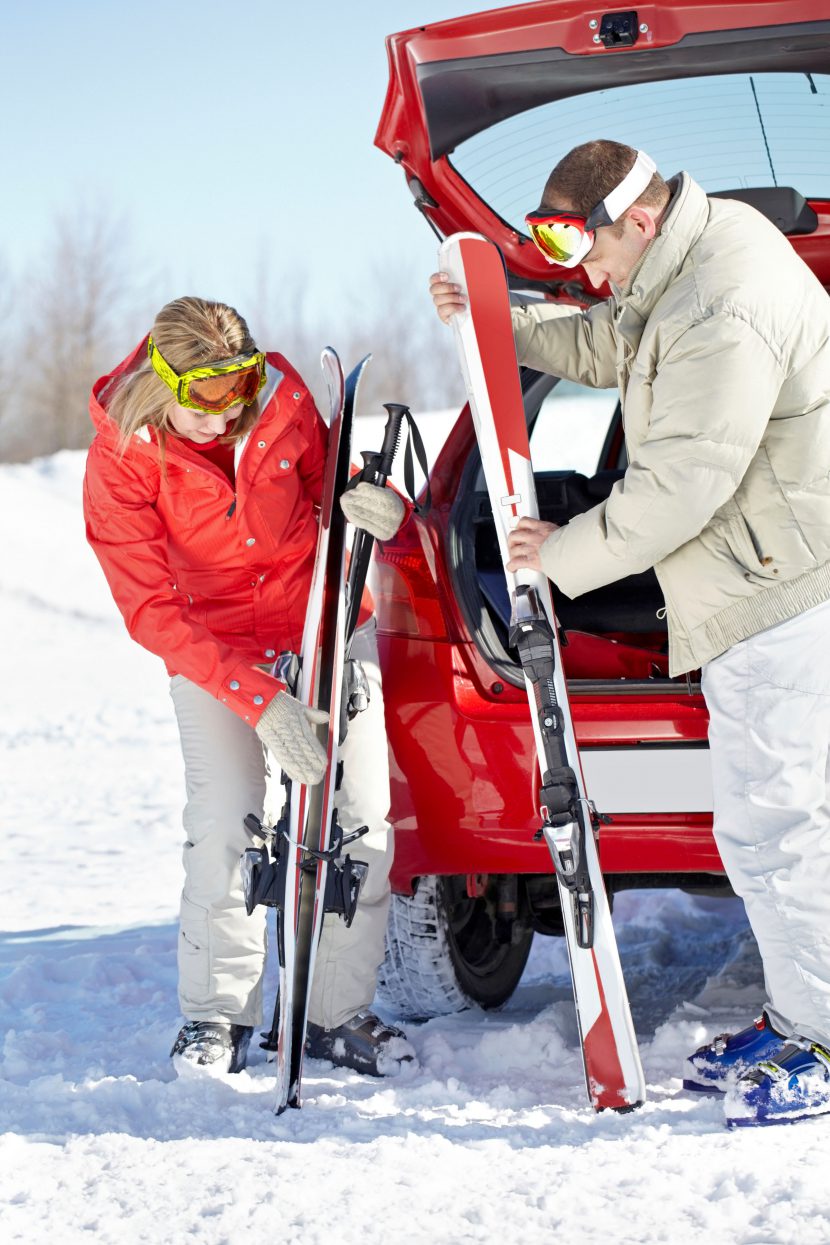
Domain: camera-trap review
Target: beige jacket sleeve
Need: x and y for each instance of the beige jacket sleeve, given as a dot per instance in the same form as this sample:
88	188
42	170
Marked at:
712	395
564	341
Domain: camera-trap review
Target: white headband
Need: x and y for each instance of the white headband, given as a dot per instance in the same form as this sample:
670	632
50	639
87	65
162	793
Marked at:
629	189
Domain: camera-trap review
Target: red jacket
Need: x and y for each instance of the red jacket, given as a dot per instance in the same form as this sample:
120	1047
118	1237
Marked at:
214	582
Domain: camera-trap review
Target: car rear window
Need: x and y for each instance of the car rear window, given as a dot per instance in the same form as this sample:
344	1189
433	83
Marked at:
729	132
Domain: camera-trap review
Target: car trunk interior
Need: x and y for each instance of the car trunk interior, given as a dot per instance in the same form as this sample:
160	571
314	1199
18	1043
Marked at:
615	631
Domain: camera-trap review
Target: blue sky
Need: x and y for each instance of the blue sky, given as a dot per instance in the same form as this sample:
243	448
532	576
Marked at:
221	133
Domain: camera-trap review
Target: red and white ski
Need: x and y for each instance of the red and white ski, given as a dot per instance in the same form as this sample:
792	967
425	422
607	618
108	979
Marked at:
487	352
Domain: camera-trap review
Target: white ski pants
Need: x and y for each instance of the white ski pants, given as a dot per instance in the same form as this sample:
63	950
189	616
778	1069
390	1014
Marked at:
221	948
769	704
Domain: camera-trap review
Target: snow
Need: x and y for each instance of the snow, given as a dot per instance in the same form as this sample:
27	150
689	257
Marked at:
488	1139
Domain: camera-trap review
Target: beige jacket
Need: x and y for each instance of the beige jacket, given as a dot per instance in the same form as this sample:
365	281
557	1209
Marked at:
720	347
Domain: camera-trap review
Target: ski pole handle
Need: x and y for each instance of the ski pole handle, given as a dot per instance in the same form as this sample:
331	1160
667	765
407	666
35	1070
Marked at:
391	437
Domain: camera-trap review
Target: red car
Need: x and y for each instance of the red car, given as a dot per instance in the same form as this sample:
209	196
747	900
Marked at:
477	112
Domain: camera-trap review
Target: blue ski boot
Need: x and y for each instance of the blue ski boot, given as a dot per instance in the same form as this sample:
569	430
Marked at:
792	1086
713	1068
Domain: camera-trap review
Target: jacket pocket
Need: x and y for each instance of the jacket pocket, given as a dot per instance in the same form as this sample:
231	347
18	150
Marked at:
220	600
771	523
757	566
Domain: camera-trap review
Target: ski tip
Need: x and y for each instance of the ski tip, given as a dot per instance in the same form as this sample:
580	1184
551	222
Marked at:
451	246
464	235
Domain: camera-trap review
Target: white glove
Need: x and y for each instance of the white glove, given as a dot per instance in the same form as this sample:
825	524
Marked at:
379	511
286	730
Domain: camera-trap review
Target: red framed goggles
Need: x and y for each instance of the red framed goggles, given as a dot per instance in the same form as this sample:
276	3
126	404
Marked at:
565	238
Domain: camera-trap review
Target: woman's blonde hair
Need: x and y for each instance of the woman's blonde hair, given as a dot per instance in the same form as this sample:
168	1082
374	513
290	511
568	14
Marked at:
189	332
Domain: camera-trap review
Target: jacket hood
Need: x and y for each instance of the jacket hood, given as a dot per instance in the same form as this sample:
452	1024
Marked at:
104	387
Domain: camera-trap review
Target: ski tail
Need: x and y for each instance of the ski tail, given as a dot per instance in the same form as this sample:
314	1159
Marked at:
487	354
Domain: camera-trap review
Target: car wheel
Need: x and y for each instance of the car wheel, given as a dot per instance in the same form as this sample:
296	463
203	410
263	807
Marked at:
443	953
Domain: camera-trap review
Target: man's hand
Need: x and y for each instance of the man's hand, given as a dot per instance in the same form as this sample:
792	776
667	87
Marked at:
447	297
524	543
286	729
379	511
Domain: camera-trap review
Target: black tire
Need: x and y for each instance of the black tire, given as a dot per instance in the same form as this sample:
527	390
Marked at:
442	953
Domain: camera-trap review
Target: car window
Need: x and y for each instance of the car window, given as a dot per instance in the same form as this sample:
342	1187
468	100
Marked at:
730	132
571	428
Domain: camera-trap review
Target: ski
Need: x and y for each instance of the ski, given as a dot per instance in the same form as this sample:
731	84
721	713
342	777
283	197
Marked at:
301	870
487	353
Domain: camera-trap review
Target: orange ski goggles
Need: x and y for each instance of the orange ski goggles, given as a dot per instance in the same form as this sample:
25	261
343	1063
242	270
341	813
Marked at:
214	387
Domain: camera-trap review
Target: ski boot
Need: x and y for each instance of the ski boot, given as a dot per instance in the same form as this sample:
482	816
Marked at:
716	1066
212	1046
363	1043
792	1086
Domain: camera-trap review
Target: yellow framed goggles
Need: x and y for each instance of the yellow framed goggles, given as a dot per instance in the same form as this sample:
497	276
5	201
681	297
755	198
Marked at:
214	387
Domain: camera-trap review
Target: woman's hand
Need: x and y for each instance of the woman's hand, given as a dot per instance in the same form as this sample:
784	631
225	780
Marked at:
287	730
524	543
447	297
377	510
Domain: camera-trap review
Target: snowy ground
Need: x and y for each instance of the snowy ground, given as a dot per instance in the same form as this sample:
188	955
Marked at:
488	1140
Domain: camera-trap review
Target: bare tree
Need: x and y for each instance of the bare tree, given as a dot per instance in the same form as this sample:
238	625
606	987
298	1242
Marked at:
279	319
73	312
7	300
392	319
79	307
413	359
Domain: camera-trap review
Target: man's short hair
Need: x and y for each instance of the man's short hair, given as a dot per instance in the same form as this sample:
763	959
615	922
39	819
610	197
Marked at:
589	172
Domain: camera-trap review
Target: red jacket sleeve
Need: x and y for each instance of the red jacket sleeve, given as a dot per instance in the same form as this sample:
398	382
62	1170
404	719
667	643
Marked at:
130	542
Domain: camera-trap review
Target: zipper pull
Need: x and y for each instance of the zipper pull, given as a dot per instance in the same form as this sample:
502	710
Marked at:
232	508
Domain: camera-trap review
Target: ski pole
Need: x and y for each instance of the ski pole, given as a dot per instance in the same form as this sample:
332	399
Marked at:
376	470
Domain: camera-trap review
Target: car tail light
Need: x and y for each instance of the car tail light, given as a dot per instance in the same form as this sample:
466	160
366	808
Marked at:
405	596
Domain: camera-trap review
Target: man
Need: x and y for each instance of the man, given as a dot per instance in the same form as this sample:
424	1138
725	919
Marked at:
718	337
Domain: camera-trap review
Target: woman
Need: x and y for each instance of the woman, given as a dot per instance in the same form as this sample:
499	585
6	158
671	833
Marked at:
200	497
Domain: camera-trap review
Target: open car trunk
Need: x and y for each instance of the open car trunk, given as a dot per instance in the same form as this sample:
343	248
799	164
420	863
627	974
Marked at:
480	108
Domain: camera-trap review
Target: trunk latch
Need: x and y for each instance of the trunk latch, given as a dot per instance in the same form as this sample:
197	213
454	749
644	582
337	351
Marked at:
619	30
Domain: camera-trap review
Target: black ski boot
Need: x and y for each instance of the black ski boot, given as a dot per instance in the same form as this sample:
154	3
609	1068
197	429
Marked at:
212	1045
363	1043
